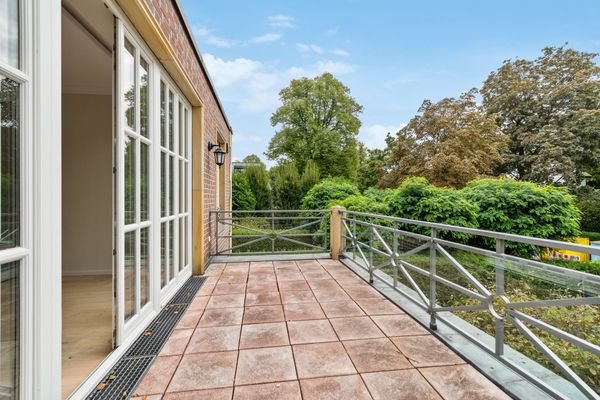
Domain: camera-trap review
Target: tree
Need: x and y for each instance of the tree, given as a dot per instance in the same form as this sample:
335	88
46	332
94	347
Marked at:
258	179
286	186
549	110
318	121
450	143
310	177
242	197
252	159
371	164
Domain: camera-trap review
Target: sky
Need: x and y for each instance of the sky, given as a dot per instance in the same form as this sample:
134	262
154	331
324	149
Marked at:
391	54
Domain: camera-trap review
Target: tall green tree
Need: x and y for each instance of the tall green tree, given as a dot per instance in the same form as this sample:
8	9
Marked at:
371	165
310	177
252	159
258	179
242	196
318	120
450	143
549	109
286	186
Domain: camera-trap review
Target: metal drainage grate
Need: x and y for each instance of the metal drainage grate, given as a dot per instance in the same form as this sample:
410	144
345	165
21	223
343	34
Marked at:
122	379
186	294
120	382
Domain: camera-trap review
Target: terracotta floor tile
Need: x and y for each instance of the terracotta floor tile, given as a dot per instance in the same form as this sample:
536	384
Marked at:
399	325
238	265
190	319
371	355
206	289
285	286
221	317
264	335
262	298
308	264
426	351
263	275
316	275
337	309
269	391
355	328
322	359
462	382
218	338
158	376
330	295
255	286
363	292
204	371
229	288
271	364
305	296
260	314
209	394
324	284
261	264
226	301
314	331
289	276
199	303
407	384
340	387
233	278
148	397
303	311
177	342
378	307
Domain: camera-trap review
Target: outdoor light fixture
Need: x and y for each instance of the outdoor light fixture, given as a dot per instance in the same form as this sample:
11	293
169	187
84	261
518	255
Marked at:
219	153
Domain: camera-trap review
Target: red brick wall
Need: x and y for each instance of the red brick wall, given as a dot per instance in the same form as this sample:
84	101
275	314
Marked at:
166	13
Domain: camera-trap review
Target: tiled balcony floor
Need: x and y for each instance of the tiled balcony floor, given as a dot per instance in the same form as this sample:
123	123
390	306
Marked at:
304	330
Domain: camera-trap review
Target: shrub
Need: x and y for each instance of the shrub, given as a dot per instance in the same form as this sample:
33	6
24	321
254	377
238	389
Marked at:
363	204
417	199
524	208
242	197
258	179
379	195
589	205
327	192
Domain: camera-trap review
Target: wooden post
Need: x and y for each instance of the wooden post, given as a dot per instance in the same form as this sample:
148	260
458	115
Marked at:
336	232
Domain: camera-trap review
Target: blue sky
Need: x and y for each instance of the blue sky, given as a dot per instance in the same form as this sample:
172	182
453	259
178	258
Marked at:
391	54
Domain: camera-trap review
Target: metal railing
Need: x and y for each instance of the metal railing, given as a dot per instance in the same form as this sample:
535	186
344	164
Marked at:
451	271
269	232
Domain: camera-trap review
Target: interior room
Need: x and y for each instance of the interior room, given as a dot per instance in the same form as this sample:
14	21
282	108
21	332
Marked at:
87	189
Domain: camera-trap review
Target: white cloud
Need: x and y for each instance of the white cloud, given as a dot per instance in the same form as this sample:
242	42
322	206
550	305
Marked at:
373	136
267	37
281	21
207	37
309	48
332	31
340	52
226	73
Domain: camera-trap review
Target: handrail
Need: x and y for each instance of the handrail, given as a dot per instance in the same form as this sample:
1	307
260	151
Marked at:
372	241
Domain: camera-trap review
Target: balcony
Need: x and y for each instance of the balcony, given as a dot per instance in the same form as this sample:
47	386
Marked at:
345	305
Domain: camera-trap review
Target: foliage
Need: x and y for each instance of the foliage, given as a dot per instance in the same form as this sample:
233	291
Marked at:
588	203
252	159
524	208
286	186
549	111
417	199
363	204
258	179
593	236
310	177
450	142
318	120
379	195
242	196
591	267
370	166
327	191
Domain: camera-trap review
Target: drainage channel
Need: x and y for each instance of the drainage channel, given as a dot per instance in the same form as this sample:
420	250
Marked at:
127	372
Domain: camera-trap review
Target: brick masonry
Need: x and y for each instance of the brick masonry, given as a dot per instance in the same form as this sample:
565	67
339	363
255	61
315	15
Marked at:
167	15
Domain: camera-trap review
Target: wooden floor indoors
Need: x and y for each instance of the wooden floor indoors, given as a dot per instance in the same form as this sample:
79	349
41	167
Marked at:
87	327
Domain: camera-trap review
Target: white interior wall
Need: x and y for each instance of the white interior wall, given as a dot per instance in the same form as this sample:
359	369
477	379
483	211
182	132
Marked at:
87	184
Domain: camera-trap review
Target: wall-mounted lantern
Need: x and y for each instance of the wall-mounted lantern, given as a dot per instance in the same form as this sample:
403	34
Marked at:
219	153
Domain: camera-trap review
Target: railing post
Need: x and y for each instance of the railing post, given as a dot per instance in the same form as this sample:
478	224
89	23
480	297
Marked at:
395	252
371	278
432	282
336	231
499	328
354	241
217	233
273	232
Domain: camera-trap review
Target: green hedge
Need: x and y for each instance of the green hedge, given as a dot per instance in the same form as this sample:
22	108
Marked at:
328	191
242	196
